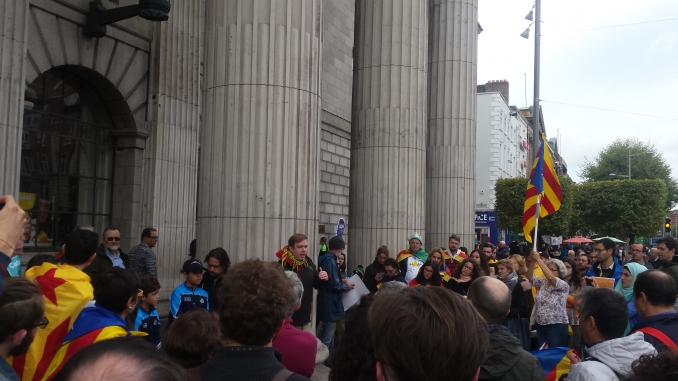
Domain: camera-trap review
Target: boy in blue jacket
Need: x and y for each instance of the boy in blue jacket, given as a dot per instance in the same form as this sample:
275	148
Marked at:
147	319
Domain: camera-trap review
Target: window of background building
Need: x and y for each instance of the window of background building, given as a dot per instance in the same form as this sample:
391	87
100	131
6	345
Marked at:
66	159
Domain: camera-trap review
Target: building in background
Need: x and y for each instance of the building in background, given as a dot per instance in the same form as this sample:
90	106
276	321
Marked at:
241	123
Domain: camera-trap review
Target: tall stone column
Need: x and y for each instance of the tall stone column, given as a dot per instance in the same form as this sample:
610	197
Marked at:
388	158
170	163
258	180
13	44
451	144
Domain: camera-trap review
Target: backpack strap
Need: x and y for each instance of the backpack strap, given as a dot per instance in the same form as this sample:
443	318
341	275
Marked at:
619	376
283	375
661	336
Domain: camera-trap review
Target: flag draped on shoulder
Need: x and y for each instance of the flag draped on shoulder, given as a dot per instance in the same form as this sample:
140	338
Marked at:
543	188
94	324
66	290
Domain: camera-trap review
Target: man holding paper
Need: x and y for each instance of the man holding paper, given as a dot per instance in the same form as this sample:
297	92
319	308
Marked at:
330	305
606	265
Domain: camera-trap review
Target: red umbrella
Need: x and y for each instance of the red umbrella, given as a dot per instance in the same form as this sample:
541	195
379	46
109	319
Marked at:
578	239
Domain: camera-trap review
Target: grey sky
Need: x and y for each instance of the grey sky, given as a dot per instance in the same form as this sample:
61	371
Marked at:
631	68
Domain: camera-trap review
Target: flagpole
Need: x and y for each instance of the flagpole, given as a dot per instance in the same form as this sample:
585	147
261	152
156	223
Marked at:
536	223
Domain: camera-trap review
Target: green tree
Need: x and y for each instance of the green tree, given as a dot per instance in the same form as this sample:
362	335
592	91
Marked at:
614	159
627	208
510	199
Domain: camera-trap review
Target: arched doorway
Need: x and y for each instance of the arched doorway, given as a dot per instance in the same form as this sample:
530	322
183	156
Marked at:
66	159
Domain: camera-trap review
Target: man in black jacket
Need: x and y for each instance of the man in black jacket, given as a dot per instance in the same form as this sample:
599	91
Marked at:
217	263
506	360
108	255
654	294
293	257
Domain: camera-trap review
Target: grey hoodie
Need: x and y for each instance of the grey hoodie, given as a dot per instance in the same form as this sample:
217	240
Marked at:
615	358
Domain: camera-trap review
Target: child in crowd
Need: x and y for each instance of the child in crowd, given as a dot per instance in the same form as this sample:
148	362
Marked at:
192	339
188	295
147	319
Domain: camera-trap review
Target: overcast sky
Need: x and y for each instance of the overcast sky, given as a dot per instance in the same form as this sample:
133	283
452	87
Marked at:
631	68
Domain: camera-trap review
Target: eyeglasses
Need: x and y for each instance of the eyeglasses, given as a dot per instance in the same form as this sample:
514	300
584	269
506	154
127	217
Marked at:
427	271
468	268
110	239
152	237
42	324
599	250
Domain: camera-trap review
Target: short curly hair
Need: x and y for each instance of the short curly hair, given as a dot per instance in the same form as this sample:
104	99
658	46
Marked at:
254	299
660	367
192	338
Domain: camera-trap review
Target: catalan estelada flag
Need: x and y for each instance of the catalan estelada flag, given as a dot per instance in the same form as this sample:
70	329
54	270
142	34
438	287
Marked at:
543	187
65	290
554	362
94	324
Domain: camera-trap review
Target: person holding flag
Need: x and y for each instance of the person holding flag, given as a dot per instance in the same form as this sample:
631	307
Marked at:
410	260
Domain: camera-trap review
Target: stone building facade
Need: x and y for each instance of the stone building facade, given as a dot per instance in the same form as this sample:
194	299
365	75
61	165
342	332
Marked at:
239	123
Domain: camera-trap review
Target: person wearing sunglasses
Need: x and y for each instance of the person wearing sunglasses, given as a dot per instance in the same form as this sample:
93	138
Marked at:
108	255
22	311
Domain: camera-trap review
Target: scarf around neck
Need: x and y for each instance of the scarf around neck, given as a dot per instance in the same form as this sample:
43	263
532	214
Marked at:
510	280
288	258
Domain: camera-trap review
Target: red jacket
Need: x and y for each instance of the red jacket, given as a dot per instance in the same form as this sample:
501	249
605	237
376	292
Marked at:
298	349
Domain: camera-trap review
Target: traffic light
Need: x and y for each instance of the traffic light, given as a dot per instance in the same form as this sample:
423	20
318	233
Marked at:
667	225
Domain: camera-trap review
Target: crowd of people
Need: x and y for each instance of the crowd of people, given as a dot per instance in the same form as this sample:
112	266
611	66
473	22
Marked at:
89	313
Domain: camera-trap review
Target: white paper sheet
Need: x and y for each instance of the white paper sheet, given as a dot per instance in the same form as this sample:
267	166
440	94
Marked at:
353	296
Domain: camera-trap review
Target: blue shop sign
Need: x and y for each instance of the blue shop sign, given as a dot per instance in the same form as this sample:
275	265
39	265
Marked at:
486	218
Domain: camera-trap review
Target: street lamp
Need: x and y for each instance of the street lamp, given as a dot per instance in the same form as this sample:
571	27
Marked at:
537	49
98	16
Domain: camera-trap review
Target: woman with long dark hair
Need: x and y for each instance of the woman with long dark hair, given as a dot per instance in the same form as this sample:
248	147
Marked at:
428	276
374	273
481	260
464	275
575	281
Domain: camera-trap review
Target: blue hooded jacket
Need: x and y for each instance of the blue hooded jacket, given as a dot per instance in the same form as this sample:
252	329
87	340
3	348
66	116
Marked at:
330	306
616	274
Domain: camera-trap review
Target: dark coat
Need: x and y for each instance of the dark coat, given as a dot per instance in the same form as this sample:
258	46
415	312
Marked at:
507	361
212	288
247	363
309	278
667	323
330	306
102	263
520	301
370	272
671	268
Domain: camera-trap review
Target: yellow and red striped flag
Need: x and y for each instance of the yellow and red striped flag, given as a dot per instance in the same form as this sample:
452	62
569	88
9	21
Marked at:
543	188
94	324
65	290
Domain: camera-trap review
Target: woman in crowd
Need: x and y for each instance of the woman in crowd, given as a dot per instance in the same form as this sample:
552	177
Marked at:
436	257
464	275
341	263
353	358
374	273
391	273
625	287
481	261
507	274
518	318
550	314
428	276
576	282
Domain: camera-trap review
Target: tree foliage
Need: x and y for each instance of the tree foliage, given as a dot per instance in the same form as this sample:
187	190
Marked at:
614	159
510	199
621	209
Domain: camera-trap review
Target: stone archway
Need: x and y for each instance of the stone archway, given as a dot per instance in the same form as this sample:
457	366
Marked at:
118	69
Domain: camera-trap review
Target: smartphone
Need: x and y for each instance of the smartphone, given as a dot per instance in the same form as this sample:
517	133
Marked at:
589	281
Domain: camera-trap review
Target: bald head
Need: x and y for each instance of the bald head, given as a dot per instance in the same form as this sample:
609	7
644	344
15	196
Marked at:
491	298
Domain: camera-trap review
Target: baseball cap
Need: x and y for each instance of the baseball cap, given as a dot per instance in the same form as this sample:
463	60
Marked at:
193	266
